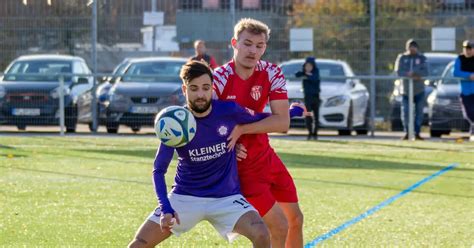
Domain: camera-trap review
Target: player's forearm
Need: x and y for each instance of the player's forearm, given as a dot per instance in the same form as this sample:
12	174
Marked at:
273	123
161	192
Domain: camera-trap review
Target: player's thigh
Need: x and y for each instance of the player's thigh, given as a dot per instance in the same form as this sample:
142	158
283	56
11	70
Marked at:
252	226
276	220
190	209
149	235
225	212
258	194
282	187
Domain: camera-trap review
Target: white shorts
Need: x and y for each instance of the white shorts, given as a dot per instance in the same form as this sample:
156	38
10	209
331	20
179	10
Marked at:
223	213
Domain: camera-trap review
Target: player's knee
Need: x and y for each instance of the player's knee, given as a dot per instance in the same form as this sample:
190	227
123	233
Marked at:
138	243
296	220
280	228
261	237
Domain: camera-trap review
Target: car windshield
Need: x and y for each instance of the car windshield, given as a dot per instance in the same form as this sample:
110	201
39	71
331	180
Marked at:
38	70
157	71
449	74
325	70
436	68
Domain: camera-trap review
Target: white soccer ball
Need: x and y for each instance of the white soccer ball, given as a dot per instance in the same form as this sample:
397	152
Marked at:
175	126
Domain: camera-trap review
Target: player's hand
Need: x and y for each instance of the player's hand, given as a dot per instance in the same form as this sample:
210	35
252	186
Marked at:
233	137
241	152
167	221
472	76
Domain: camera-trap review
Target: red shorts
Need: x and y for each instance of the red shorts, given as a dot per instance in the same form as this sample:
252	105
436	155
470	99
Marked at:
275	184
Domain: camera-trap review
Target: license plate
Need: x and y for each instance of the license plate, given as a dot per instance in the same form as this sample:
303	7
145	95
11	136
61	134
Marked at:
144	110
26	111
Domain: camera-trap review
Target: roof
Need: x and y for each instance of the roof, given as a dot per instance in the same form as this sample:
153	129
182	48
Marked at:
329	61
49	57
157	59
441	55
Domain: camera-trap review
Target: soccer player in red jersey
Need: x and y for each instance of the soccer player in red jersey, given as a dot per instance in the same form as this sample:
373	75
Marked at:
252	83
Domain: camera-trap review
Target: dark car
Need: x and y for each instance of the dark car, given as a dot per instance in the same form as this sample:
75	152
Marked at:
84	103
147	86
445	110
436	64
29	90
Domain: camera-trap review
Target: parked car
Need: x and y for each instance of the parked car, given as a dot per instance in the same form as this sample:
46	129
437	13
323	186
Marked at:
436	64
84	102
445	111
344	102
29	90
147	86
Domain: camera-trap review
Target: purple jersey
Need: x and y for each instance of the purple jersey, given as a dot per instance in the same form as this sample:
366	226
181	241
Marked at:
205	167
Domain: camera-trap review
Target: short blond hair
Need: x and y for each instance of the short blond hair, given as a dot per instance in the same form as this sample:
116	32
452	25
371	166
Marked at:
253	26
197	42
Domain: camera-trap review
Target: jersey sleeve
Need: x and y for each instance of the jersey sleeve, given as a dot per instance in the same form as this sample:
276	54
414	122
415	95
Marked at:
162	161
244	115
277	83
458	72
220	76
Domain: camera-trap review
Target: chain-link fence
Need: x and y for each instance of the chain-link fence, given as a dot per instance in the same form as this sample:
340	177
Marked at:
341	31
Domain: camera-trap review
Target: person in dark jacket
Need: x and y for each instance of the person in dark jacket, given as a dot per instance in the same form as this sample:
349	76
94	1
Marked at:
464	68
311	89
200	54
412	64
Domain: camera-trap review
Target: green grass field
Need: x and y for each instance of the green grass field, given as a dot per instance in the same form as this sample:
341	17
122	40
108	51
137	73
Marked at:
96	191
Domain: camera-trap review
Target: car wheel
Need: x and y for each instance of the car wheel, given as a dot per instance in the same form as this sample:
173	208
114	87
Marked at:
438	133
21	127
135	129
396	121
91	128
70	129
71	119
347	131
364	129
112	127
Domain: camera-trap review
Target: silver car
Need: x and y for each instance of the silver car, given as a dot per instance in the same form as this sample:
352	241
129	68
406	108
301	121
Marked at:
147	86
344	102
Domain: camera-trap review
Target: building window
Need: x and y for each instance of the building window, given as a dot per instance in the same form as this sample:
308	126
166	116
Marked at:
250	4
210	4
190	4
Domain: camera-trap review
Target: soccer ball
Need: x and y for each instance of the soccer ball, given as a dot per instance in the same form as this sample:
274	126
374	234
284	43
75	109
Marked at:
175	126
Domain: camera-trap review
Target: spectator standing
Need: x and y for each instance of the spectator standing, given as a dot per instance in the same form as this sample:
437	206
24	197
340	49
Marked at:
200	54
464	68
311	90
412	64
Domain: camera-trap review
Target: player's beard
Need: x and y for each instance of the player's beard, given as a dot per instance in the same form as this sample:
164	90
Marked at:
199	108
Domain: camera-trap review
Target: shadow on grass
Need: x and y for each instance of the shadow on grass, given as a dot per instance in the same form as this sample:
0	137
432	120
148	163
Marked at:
326	162
352	184
79	175
6	147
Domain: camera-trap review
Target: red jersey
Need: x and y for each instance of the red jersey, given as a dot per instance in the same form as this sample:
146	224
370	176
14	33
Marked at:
267	83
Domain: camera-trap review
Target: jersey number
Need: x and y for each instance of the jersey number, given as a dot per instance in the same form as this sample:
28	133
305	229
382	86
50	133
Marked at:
242	202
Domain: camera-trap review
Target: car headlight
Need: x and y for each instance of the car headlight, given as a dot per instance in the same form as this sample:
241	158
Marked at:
55	93
336	101
3	92
442	101
396	92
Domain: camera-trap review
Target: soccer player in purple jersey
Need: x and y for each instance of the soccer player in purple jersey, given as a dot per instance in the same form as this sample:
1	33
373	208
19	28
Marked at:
206	183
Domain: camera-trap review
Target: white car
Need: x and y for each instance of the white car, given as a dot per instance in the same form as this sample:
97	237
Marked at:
344	102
